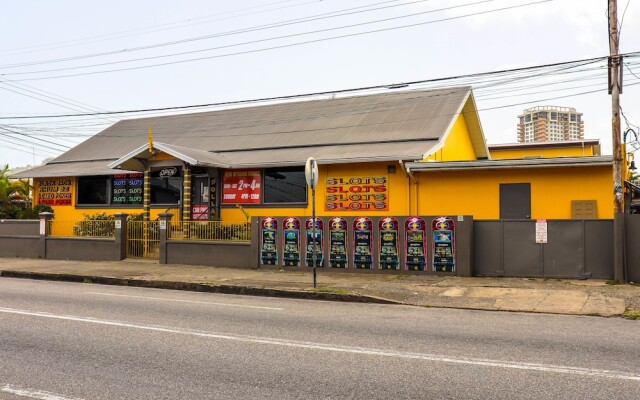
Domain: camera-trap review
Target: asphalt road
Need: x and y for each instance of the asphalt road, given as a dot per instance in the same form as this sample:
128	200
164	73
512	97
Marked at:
63	341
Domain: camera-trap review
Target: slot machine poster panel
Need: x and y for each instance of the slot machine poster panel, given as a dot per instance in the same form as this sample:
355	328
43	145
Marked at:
318	242
363	243
269	241
338	243
291	242
388	240
443	244
415	244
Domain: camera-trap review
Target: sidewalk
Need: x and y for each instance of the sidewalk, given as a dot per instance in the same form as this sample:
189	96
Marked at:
556	296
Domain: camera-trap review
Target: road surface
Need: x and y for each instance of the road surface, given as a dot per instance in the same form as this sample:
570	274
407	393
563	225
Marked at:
62	341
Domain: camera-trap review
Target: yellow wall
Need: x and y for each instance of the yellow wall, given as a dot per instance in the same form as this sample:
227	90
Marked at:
71	213
457	146
396	184
574	151
477	193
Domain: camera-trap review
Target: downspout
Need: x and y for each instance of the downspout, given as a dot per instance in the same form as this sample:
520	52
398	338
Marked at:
411	179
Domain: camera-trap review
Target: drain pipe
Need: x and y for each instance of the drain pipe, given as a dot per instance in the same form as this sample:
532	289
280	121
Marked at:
412	179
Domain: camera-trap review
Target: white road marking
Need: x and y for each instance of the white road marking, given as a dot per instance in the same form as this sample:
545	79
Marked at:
186	301
559	369
34	394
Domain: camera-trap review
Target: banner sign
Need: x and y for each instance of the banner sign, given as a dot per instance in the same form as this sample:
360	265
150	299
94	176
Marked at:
388	242
55	192
268	235
199	212
357	193
541	231
241	187
291	242
363	243
415	244
443	231
318	242
338	242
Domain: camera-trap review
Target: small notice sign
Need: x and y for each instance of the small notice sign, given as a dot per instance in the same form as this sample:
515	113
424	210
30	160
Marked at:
163	224
541	231
118	224
43	227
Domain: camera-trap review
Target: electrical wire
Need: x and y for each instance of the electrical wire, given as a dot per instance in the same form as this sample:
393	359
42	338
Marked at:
306	95
258	41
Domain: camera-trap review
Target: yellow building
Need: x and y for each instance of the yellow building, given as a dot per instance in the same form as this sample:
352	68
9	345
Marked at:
419	152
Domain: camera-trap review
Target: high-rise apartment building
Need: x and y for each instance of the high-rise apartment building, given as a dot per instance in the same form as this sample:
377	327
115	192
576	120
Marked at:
550	124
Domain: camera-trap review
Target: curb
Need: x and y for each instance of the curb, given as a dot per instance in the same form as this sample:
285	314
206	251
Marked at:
200	287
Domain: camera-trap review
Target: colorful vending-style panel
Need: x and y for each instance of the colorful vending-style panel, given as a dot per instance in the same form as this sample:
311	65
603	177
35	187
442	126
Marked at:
291	242
316	241
268	241
443	230
388	242
338	243
363	243
415	244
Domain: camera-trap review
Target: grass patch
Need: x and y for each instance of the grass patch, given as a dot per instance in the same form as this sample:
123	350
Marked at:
400	276
87	280
612	283
628	314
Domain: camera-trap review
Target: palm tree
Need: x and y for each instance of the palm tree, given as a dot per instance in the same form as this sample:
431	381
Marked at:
14	193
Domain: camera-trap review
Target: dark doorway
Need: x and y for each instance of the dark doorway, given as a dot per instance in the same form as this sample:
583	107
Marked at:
515	201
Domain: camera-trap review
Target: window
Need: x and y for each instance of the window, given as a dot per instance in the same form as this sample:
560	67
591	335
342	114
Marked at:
527	118
554	116
284	185
93	190
166	186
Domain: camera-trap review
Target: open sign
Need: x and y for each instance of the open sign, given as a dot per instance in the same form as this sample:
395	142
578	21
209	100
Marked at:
167	172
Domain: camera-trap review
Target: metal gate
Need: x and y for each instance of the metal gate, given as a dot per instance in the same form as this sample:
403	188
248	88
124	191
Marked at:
143	239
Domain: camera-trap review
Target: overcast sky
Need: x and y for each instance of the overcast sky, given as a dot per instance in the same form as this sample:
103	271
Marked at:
85	56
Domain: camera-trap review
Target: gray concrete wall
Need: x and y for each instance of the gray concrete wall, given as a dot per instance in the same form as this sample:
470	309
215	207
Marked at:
89	249
574	249
632	248
20	246
216	254
17	227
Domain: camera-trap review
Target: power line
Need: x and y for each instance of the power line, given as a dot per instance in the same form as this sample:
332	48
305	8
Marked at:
332	14
263	40
150	29
297	96
42	140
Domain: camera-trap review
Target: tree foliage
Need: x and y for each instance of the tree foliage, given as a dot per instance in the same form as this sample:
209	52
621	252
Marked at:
15	200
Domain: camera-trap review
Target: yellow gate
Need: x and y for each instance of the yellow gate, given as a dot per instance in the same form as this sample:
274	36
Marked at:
143	239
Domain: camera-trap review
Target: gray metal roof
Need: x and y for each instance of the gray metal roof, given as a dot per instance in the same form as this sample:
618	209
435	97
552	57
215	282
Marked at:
68	169
389	126
592	161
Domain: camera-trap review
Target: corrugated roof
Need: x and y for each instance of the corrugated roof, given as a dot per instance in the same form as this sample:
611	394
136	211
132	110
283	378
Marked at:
591	161
388	126
68	169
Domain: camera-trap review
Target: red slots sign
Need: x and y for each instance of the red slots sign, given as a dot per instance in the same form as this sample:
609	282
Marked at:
356	193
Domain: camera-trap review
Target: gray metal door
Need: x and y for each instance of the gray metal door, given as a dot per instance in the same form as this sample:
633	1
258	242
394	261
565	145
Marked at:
515	201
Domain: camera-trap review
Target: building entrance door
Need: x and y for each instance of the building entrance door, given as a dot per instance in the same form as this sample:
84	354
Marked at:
515	201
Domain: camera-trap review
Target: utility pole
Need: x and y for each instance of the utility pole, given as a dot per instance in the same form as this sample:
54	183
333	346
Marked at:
615	89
